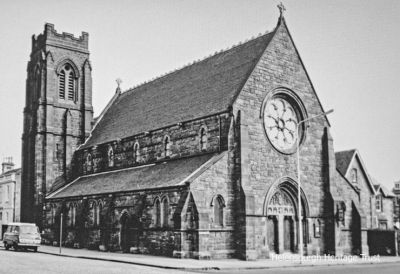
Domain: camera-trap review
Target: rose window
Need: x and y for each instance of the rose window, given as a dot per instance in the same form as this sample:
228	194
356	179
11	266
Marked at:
280	122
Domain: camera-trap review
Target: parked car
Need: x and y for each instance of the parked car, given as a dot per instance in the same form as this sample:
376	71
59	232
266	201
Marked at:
22	235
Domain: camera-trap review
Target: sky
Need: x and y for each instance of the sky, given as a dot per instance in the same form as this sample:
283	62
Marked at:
350	50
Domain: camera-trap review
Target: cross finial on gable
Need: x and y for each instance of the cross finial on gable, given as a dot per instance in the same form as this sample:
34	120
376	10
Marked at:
119	81
281	8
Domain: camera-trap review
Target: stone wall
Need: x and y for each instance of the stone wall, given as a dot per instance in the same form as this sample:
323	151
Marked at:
261	164
184	141
215	240
140	234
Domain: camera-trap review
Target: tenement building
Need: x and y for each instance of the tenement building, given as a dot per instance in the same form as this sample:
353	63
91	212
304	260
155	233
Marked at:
198	163
10	194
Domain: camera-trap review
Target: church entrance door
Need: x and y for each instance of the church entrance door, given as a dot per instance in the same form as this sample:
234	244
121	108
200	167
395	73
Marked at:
272	229
281	223
288	239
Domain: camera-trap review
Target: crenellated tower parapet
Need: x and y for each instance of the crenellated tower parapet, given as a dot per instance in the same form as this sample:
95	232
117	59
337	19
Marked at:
64	40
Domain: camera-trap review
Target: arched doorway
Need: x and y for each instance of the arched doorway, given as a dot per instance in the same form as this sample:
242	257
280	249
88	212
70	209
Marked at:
124	232
130	229
282	218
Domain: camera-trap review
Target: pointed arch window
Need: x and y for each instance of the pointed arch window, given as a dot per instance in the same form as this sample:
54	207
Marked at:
136	153
53	214
71	215
66	83
164	212
110	157
157	207
167	146
203	139
98	214
94	213
218	210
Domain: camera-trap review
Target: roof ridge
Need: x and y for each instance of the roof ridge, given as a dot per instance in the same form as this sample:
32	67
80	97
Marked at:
197	61
346	150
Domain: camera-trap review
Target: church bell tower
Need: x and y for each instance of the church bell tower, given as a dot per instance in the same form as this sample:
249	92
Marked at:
58	115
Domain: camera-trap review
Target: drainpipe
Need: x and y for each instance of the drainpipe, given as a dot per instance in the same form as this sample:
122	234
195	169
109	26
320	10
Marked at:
15	194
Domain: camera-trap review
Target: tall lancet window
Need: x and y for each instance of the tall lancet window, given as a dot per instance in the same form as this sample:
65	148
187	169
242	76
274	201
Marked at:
203	139
110	157
66	83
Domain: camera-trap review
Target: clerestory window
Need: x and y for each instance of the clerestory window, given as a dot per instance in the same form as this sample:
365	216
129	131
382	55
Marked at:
167	146
110	157
89	163
203	139
136	153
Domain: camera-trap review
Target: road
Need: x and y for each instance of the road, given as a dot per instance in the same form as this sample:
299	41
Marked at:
31	262
389	268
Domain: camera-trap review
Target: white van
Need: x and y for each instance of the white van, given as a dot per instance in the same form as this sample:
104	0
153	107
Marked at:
22	235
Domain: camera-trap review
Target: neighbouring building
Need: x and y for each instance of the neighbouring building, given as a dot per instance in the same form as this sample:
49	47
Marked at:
384	208
198	163
10	194
396	192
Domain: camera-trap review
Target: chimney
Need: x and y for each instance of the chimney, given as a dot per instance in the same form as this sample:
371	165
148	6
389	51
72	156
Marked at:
7	164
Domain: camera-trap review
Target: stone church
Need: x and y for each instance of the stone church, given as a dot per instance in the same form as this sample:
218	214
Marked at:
198	163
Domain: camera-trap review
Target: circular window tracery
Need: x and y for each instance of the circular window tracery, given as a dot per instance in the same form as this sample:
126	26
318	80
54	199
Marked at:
281	117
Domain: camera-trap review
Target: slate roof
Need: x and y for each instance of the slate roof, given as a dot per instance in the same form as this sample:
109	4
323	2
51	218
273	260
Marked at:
160	175
343	159
201	89
381	188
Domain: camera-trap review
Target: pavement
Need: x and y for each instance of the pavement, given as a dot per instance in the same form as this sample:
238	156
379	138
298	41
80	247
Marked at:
278	261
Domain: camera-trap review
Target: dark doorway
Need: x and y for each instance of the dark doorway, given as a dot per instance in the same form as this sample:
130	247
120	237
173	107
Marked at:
272	228
355	231
125	235
288	234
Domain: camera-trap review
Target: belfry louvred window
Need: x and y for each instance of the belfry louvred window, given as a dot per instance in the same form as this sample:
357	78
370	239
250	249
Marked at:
66	83
61	84
71	86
